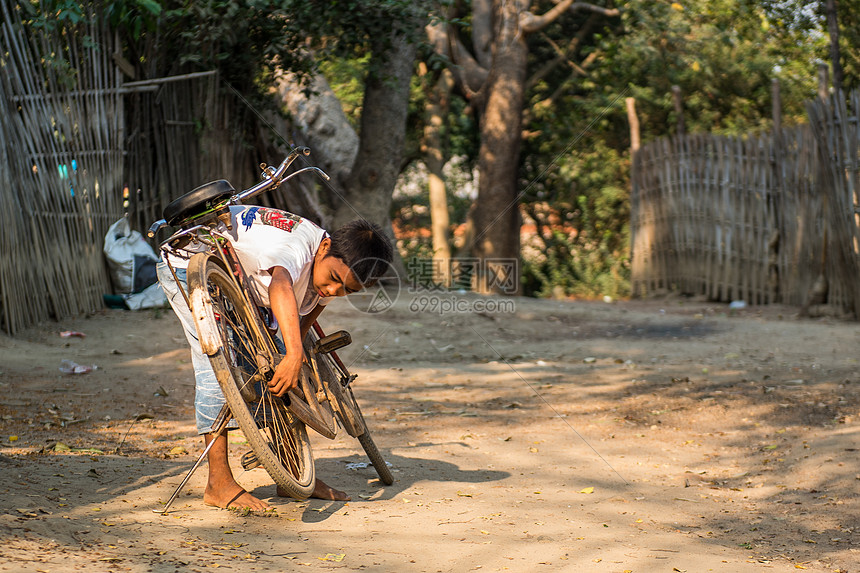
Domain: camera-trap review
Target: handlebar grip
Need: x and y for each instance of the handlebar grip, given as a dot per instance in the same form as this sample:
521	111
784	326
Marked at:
304	150
155	227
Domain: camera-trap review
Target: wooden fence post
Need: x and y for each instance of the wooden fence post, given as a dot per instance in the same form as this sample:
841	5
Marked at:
823	81
633	119
679	109
776	105
774	196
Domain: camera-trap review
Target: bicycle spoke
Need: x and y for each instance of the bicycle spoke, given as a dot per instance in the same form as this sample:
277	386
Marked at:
278	428
277	438
233	331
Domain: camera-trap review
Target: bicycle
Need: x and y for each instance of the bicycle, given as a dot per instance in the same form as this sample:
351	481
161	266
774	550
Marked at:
234	333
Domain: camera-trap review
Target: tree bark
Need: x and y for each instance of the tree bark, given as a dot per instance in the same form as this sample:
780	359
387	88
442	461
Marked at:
436	110
833	29
496	213
322	124
318	122
370	184
482	32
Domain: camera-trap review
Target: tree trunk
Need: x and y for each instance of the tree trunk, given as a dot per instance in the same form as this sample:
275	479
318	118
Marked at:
323	127
436	110
833	29
383	131
496	214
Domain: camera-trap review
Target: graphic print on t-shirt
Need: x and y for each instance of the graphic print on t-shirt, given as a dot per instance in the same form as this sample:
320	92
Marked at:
272	217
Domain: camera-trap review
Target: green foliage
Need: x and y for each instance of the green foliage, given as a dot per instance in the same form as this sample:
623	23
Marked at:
723	54
135	16
579	205
71	16
345	76
246	40
350	28
131	16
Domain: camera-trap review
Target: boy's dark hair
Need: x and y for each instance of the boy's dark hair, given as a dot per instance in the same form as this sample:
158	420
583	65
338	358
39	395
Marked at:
364	248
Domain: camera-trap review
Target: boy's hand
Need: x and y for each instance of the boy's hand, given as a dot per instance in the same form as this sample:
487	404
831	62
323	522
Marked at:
286	375
283	303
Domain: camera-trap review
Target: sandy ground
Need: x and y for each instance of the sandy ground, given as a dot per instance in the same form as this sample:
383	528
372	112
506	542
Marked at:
668	435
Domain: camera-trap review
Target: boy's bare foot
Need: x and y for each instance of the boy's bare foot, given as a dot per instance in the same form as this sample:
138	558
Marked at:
322	491
221	487
235	499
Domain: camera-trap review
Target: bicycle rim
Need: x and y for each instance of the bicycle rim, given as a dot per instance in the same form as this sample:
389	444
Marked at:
342	402
350	414
277	437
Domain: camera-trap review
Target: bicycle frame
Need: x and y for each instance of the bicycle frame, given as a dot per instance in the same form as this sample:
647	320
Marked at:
206	229
218	243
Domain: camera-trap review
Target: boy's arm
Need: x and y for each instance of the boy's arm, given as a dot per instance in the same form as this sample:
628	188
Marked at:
283	302
308	320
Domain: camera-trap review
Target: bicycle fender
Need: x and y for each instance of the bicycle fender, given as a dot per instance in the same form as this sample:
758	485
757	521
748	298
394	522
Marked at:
204	317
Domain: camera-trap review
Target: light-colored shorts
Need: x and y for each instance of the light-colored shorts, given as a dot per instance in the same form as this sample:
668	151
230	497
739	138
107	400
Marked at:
208	398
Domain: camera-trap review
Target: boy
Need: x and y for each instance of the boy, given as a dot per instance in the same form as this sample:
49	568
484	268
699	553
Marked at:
295	268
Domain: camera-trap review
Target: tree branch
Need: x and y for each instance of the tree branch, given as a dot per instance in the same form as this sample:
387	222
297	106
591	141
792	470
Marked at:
482	31
531	23
469	73
562	87
577	71
564	56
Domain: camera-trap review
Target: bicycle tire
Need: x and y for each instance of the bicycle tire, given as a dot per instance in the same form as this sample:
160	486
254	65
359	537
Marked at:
315	412
345	408
231	335
349	413
382	469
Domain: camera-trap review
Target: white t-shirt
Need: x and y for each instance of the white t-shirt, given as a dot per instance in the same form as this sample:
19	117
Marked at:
264	238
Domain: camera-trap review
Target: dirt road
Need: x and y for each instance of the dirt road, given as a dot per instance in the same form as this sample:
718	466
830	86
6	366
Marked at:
551	436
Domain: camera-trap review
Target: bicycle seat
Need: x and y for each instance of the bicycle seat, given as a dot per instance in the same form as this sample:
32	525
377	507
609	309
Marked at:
197	201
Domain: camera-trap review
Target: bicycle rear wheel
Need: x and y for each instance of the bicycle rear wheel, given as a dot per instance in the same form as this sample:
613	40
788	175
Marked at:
240	351
379	464
345	406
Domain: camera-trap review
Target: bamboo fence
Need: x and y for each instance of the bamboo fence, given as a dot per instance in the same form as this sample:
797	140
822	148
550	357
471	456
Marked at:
192	129
82	145
61	126
760	219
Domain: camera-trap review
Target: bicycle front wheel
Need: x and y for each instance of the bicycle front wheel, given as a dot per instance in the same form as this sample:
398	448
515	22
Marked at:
341	396
239	350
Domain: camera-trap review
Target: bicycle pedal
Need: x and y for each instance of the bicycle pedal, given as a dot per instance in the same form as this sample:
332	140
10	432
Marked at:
332	342
250	461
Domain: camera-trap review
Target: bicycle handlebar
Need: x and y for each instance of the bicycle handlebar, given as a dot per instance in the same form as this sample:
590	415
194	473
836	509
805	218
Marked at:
272	178
155	227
